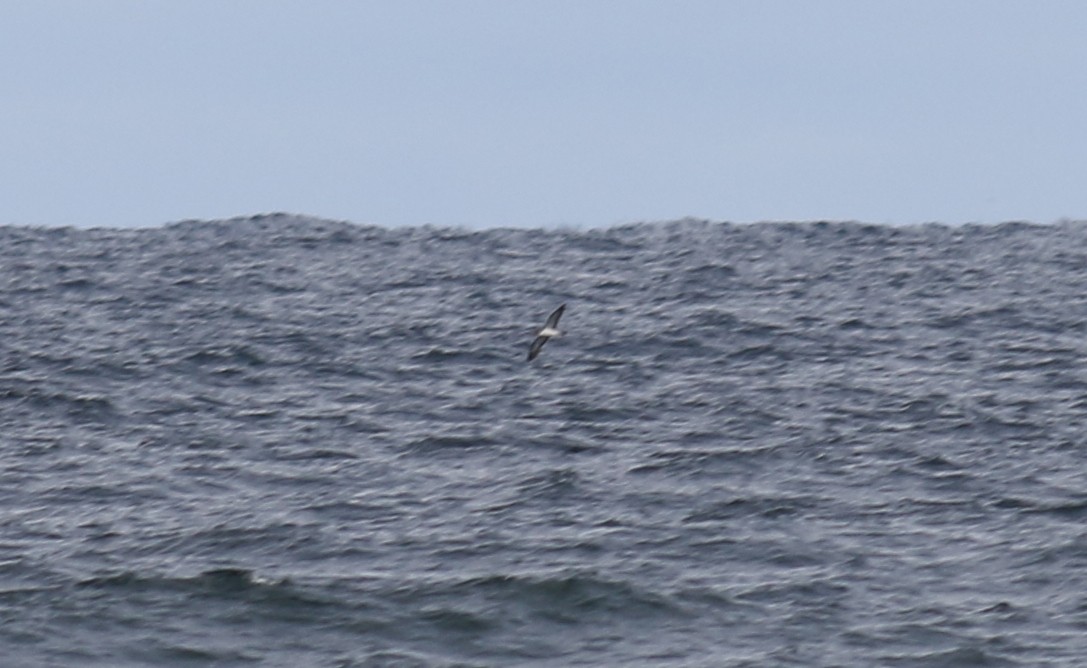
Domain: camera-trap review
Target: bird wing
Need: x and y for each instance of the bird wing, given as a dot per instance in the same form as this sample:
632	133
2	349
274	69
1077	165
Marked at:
534	349
553	319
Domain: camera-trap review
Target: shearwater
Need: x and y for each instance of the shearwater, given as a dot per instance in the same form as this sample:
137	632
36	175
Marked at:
550	329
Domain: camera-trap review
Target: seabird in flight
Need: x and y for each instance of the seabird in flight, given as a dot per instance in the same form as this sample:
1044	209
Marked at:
550	329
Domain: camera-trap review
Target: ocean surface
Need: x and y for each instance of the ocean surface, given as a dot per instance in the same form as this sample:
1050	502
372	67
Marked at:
283	441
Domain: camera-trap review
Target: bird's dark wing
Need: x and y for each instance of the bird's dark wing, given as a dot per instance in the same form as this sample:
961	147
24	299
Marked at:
553	319
534	349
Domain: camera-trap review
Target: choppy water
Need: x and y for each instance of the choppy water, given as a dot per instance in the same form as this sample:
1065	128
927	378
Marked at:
288	442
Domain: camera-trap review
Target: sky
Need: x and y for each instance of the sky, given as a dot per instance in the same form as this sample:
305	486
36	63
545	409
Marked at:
571	113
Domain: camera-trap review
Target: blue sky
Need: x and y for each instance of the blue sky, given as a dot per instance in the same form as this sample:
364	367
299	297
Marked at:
485	113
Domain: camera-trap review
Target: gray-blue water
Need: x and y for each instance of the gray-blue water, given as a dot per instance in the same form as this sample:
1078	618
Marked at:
280	441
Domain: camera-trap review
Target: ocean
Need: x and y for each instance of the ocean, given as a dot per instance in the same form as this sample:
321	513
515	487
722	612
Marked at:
285	441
